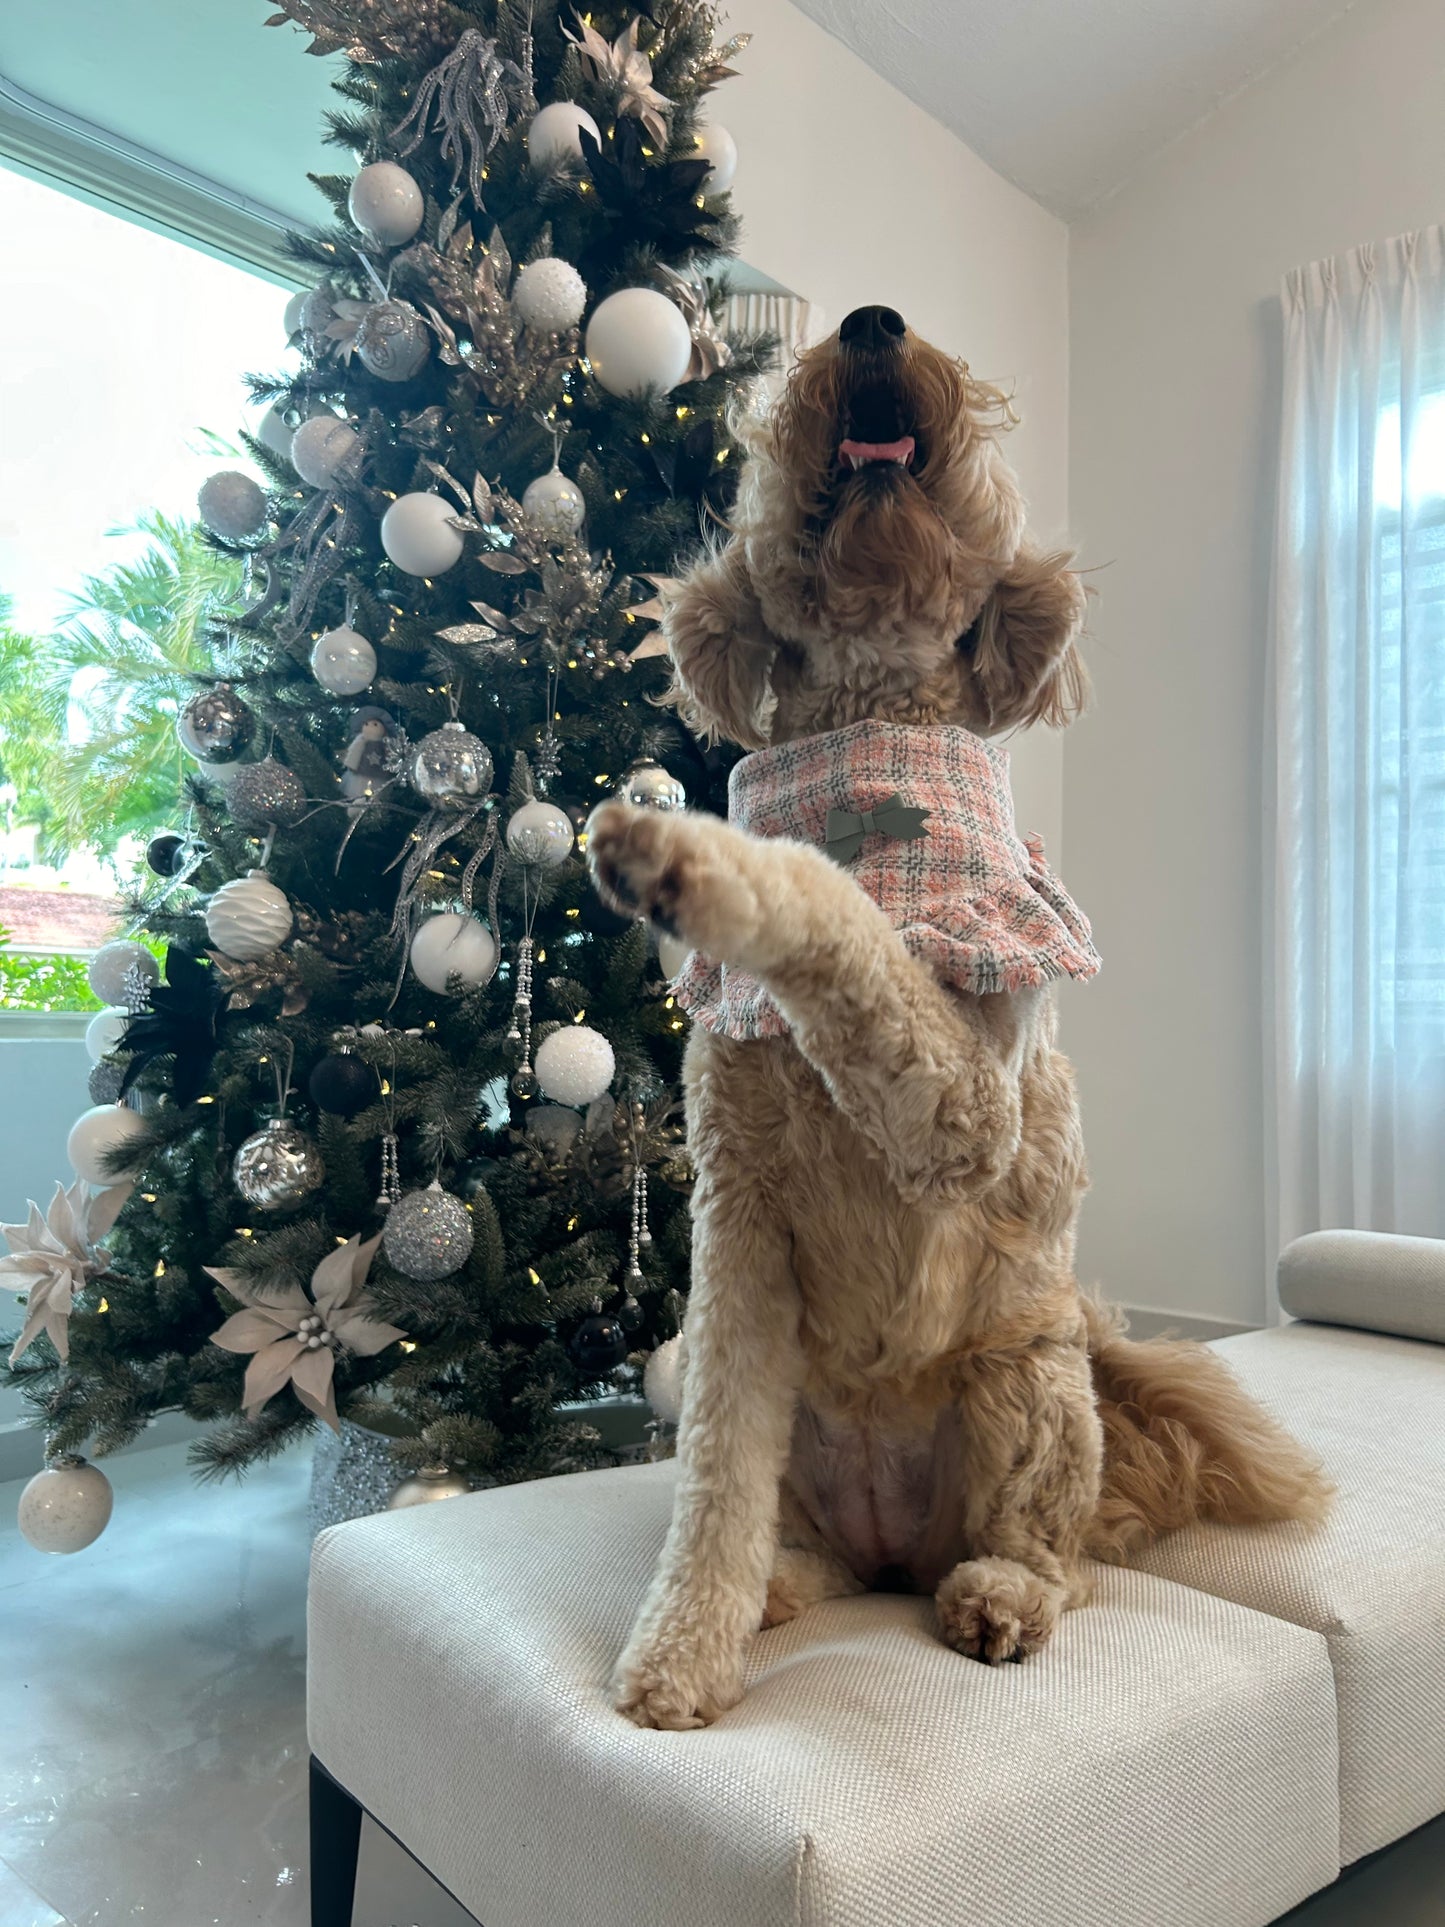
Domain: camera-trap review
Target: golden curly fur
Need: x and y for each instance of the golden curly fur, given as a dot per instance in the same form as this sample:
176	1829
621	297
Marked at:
893	1376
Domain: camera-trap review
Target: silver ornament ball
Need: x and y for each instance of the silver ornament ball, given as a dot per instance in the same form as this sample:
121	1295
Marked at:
66	1507
549	295
104	1082
540	833
392	341
214	725
116	968
343	661
428	1234
247	917
650	787
232	505
452	769
266	793
426	1484
555	501
278	1166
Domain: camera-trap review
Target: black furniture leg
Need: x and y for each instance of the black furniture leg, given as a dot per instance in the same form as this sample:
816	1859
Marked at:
335	1844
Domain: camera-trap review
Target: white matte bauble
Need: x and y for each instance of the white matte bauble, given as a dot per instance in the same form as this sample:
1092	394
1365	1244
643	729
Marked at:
343	661
553	134
386	204
66	1507
638	340
120	969
275	432
104	1032
320	448
549	295
716	146
672	954
452	944
248	917
575	1065
95	1134
417	534
232	505
291	317
556	1127
555	501
540	833
662	1379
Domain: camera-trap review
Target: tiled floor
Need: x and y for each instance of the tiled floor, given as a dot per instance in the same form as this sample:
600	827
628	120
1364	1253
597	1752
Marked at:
152	1737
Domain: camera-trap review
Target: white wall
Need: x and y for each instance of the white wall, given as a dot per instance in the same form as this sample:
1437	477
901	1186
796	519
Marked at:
850	194
1175	406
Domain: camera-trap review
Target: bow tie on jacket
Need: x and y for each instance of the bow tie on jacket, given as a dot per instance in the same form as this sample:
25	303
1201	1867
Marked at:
845	829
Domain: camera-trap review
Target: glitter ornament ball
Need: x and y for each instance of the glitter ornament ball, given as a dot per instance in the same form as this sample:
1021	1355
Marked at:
214	725
554	134
386	204
540	833
248	917
103	1034
343	1084
427	1483
392	342
417	534
275	432
277	1166
637	342
103	1084
598	1344
118	967
291	314
555	501
97	1133
166	853
266	793
320	448
452	769
575	1065
232	505
428	1234
453	945
66	1507
549	296
716	146
672	954
662	1380
343	661
651	787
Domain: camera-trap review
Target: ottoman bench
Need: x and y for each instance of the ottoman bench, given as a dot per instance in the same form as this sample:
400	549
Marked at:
1203	1746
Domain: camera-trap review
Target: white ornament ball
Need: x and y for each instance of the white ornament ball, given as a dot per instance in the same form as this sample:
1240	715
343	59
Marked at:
638	340
104	1032
343	661
555	1127
417	535
95	1134
386	204
66	1507
232	505
540	833
275	432
575	1065
553	134
113	970
248	917
291	318
320	447
451	944
672	954
549	295
555	501
716	146
662	1379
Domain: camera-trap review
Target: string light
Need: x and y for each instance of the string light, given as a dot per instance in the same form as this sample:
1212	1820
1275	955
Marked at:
408	1344
160	1270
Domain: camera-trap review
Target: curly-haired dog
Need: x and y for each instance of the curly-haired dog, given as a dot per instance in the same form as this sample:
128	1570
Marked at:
891	1368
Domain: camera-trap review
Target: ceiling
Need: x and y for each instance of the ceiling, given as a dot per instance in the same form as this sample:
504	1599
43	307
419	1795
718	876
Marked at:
1068	98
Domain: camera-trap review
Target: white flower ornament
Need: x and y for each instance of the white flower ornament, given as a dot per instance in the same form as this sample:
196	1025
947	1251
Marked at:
52	1257
295	1340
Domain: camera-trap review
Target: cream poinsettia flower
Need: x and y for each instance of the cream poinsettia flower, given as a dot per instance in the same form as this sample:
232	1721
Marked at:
51	1257
295	1339
623	65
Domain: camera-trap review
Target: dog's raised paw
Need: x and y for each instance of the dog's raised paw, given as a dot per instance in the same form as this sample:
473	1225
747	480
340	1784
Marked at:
996	1610
670	869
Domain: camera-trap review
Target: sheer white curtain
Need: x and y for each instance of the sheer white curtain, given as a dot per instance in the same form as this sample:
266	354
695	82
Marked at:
1358	674
796	323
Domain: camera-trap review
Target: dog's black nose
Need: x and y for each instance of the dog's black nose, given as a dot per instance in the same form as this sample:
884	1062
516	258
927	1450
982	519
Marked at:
872	328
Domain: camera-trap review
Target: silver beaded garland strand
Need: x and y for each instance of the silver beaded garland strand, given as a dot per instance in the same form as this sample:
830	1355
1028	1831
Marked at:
640	1234
524	1078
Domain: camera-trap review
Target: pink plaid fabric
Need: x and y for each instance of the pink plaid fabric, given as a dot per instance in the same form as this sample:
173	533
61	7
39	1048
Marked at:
970	898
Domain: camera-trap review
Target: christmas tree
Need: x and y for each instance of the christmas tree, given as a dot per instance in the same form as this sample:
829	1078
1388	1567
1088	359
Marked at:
399	1138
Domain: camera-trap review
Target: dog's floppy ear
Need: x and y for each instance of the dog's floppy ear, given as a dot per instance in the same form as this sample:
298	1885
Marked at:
722	651
1025	663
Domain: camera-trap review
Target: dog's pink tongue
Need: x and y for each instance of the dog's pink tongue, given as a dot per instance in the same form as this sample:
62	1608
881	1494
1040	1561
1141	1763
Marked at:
860	452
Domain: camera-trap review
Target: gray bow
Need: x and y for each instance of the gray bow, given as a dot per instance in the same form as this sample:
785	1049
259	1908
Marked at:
845	830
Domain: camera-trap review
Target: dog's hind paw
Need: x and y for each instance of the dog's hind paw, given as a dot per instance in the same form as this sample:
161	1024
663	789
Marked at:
682	872
997	1609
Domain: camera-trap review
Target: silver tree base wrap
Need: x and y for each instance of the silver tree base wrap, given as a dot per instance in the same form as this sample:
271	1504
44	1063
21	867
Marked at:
352	1474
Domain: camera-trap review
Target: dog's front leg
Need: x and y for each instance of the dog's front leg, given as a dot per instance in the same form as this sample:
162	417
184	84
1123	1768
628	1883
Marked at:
922	1077
683	1663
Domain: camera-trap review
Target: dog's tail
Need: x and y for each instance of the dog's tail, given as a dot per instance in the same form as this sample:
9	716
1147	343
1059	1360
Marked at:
1184	1441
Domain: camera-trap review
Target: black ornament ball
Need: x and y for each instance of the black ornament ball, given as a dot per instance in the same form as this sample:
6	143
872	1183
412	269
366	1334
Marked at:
342	1084
598	1344
629	1315
166	852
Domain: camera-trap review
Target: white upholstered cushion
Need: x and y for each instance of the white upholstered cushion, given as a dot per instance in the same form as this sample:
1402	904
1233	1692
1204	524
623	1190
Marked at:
1168	1761
1373	1579
1374	1280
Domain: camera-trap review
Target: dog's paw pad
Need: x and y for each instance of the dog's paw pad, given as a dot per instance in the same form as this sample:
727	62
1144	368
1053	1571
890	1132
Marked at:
996	1610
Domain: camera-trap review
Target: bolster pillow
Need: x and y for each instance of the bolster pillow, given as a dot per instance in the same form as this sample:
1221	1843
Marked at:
1373	1280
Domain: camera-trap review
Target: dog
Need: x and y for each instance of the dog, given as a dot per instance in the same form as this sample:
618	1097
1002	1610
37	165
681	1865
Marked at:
893	1376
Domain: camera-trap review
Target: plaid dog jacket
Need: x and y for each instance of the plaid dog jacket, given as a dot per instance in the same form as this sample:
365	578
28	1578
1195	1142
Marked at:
970	898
